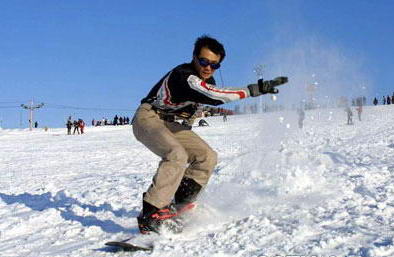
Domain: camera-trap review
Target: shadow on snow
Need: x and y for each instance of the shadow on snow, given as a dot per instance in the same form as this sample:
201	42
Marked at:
64	205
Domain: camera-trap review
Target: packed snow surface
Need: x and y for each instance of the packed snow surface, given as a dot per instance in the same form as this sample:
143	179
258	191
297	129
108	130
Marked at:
324	190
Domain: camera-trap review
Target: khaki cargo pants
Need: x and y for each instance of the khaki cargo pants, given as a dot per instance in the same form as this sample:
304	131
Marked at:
182	152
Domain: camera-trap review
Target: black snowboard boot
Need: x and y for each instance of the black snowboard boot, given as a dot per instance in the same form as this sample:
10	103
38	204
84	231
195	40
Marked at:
152	218
187	192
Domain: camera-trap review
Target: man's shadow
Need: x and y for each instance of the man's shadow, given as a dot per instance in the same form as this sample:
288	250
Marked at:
64	205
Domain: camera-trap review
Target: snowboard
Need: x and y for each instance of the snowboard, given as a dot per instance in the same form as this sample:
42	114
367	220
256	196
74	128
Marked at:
129	246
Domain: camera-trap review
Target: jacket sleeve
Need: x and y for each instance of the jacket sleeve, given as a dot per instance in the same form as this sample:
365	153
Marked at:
210	94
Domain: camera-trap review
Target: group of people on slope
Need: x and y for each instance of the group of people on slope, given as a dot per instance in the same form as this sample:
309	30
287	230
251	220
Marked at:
117	120
78	125
385	100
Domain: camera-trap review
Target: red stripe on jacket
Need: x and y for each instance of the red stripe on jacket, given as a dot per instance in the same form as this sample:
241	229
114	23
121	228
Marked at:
240	92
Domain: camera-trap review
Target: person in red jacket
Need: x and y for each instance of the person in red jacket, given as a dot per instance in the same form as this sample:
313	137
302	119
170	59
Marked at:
81	125
187	161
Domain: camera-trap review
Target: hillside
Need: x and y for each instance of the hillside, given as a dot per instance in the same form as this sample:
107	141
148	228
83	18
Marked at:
277	190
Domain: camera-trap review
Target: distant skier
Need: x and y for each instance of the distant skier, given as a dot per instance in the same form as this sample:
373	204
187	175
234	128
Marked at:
76	127
301	117
388	100
359	107
187	160
224	117
349	113
359	111
375	101
81	125
69	125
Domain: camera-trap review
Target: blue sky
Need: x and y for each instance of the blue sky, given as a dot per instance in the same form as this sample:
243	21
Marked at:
94	59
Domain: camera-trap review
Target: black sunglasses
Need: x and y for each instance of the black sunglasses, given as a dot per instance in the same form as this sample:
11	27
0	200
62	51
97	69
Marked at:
205	62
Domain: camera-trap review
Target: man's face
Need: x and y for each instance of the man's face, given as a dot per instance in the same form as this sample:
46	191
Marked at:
207	71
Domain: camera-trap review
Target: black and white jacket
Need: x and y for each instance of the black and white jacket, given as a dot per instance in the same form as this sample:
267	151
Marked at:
181	90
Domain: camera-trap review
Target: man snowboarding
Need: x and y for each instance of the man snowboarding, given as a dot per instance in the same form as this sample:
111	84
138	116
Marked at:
187	161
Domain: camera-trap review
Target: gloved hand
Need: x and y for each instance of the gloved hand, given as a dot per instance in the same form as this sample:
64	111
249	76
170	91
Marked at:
266	87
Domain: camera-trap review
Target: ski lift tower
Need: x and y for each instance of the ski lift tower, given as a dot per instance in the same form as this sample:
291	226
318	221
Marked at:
311	89
31	108
258	69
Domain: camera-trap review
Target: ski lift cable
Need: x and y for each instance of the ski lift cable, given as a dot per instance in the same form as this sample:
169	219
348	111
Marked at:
12	102
58	106
9	107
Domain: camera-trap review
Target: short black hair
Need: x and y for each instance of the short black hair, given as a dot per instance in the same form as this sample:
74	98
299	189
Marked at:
210	43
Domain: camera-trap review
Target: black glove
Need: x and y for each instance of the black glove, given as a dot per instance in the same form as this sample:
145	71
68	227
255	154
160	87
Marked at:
266	87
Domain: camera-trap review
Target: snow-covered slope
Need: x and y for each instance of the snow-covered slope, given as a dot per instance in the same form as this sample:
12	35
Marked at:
277	190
